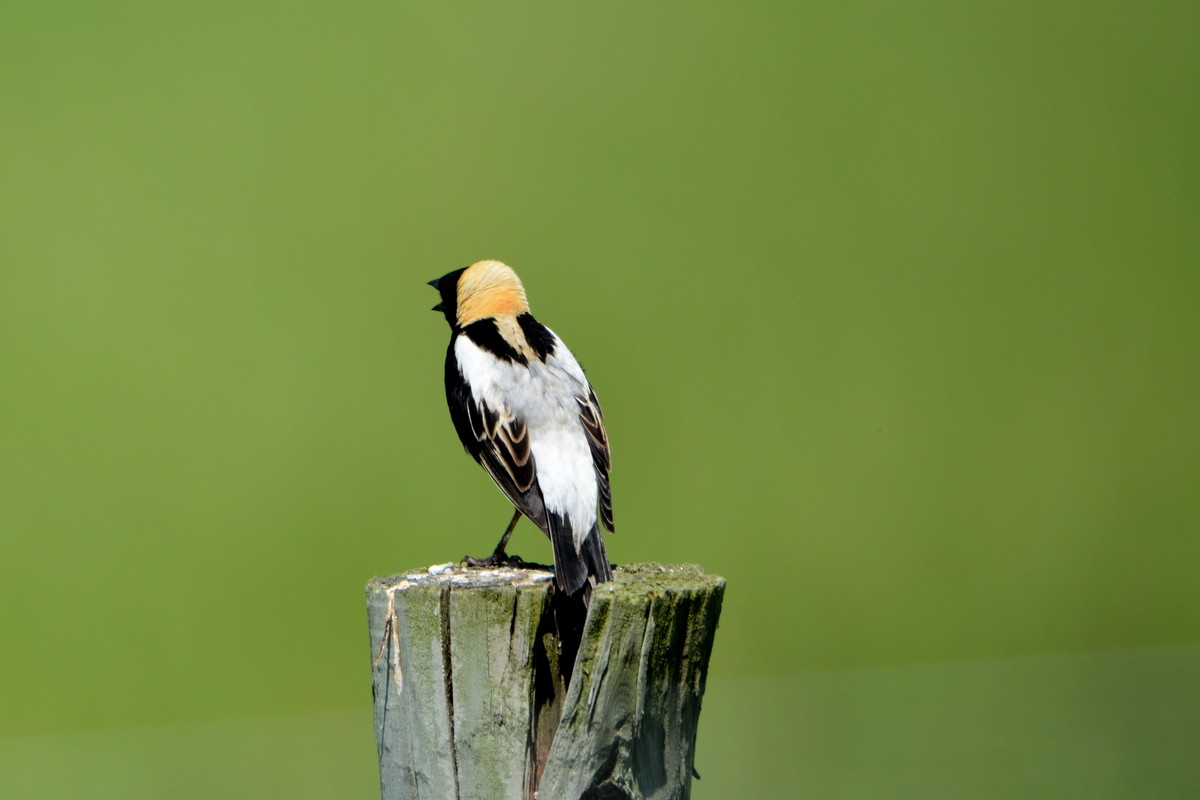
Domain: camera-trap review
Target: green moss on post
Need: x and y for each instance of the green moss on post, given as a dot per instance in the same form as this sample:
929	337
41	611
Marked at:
471	698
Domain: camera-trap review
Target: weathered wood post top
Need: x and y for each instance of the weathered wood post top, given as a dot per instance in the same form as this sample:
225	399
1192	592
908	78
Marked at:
491	684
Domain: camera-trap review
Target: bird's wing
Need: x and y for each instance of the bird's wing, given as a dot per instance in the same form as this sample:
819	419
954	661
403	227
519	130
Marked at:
503	450
593	424
498	440
591	417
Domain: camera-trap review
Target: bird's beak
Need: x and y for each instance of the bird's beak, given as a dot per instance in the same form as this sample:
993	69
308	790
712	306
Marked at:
438	307
434	283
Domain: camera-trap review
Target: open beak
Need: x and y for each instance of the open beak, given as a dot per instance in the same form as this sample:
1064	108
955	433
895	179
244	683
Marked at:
434	284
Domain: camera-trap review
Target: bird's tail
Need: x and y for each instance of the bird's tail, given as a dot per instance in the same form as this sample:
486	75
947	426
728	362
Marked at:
576	571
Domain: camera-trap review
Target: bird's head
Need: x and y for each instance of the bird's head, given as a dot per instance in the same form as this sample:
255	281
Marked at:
484	289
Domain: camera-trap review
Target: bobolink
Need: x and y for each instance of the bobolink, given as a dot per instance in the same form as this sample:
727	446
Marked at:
524	410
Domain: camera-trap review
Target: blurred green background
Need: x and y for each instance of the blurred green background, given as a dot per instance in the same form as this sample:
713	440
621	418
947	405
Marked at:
892	308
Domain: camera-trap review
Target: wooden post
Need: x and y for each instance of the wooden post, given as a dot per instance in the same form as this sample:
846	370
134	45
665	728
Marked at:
479	694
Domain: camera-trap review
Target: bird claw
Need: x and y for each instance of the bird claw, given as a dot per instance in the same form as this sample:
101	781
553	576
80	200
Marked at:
496	559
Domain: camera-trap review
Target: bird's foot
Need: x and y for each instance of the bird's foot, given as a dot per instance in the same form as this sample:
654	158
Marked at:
496	559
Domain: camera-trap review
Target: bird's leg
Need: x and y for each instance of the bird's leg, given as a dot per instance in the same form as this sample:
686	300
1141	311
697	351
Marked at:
503	543
498	557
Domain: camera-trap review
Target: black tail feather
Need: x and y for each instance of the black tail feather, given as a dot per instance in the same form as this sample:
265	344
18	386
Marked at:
572	570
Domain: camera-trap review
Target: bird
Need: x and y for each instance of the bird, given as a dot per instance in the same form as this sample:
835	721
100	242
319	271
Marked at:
524	410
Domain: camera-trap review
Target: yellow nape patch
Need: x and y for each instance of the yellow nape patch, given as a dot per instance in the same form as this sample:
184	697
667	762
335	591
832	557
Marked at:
489	289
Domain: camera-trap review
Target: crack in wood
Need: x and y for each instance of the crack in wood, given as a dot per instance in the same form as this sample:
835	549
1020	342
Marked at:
449	684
